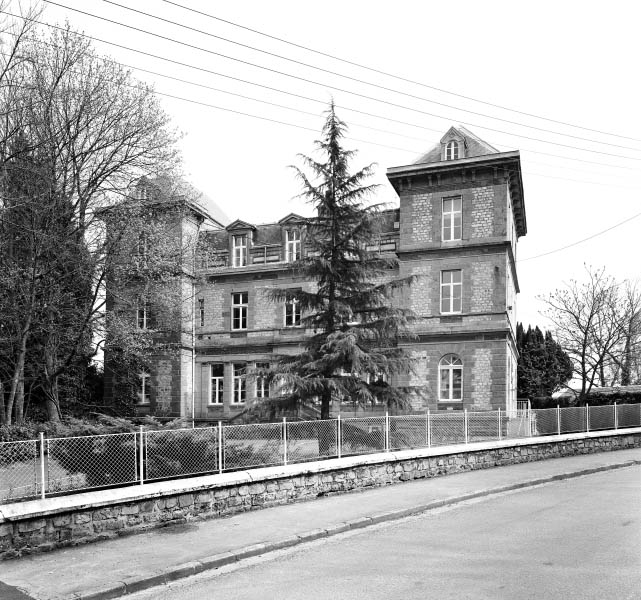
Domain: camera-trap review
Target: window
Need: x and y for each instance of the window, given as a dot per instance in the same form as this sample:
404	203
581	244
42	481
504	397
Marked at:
262	385
292	312
239	384
142	315
292	245
239	249
217	385
451	291
450	380
144	392
239	306
451	219
201	311
143	245
451	150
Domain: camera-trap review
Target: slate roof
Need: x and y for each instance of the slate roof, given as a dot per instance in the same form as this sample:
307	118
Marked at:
474	146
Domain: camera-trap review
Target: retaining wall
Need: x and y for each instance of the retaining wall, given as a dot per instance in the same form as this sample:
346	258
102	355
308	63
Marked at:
41	525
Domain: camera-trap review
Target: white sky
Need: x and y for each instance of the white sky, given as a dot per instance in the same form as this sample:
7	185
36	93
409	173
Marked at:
574	62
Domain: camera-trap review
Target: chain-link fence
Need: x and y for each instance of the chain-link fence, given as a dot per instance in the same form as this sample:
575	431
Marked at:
181	452
256	445
19	470
311	440
362	436
629	415
82	463
79	463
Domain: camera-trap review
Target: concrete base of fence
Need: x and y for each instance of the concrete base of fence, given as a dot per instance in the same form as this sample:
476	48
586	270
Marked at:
41	525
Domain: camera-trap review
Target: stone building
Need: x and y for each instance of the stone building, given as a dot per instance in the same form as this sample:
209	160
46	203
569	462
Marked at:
461	212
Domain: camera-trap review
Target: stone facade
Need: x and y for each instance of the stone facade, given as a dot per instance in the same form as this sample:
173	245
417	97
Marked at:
473	264
48	529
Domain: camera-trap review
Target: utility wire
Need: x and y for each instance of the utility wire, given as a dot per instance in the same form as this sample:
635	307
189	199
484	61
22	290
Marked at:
350	78
635	216
313	82
397	77
216	73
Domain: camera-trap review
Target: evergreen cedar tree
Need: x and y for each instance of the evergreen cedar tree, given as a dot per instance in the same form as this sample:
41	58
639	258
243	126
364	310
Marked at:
543	366
352	351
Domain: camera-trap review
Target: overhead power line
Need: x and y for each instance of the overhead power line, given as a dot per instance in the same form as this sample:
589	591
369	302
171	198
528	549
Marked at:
313	82
293	94
356	79
392	75
635	216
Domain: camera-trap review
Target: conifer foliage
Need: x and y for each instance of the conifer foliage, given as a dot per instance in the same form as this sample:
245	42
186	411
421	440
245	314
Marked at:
543	366
351	352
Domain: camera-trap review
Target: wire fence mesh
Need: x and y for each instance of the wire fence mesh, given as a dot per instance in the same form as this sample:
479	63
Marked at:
446	429
19	470
629	415
573	419
409	431
82	463
311	440
601	417
362	435
181	452
91	461
545	421
260	444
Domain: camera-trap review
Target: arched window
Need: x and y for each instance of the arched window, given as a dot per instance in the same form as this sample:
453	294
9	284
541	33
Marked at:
451	150
450	379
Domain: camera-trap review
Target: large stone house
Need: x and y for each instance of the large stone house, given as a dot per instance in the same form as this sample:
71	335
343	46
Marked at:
460	215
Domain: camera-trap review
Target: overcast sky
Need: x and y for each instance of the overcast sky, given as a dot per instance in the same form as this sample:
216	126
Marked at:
573	63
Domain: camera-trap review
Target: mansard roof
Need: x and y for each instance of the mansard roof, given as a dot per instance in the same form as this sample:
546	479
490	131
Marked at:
474	146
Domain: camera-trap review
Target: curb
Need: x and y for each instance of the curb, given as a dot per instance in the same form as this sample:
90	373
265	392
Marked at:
137	584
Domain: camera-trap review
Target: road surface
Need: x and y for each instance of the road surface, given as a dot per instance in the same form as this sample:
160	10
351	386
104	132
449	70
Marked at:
571	539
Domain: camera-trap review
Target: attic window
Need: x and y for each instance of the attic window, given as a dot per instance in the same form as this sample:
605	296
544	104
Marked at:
452	150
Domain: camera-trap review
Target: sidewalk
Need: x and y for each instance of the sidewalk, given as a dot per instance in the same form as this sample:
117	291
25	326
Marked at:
124	565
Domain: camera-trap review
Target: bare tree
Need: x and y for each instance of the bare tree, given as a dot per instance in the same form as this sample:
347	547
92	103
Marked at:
77	131
588	320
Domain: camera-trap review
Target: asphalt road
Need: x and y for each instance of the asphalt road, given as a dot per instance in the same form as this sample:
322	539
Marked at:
571	539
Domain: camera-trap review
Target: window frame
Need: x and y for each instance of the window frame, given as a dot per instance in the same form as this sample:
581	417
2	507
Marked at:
451	214
144	395
239	383
262	385
239	311
142	315
452	148
219	387
240	251
292	314
293	247
453	288
455	364
201	311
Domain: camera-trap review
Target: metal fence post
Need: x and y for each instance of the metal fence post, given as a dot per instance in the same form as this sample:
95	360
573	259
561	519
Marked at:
220	447
339	435
284	440
465	423
428	426
142	463
558	419
616	417
42	465
587	417
387	444
500	424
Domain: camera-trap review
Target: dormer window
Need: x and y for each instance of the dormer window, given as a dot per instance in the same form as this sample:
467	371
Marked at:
452	150
292	245
239	250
